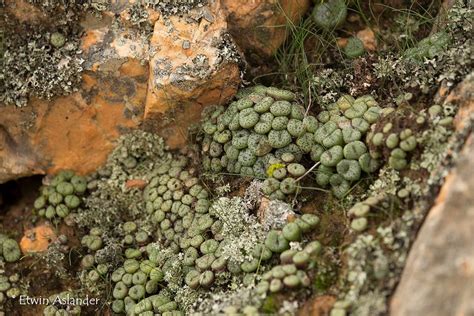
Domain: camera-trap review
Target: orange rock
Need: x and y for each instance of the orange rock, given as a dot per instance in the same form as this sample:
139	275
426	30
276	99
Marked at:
37	239
341	42
187	72
261	26
367	36
72	132
136	183
119	90
318	306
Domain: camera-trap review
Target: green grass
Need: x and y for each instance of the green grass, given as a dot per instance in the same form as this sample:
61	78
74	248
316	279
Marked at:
295	66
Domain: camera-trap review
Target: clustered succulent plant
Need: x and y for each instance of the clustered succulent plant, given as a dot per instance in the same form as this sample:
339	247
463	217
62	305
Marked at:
361	210
394	138
265	133
177	238
429	47
188	245
9	288
290	273
56	308
9	249
61	196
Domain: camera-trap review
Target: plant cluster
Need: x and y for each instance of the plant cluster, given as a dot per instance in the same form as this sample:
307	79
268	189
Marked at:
9	249
9	288
266	134
56	308
61	196
177	245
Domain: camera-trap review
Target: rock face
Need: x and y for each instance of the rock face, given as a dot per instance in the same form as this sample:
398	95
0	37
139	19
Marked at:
260	26
439	276
159	80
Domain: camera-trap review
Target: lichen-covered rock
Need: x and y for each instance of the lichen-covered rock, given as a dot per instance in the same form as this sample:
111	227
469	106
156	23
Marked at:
78	131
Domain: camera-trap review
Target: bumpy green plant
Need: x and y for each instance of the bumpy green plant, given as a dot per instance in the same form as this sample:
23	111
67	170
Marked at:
272	134
62	196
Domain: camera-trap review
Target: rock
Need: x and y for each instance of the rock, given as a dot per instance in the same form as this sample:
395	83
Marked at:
73	132
194	65
318	306
438	278
37	239
259	27
135	183
120	90
367	36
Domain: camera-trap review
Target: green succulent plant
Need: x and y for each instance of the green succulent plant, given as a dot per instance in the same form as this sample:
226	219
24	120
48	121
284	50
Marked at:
62	196
354	48
330	15
284	128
